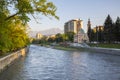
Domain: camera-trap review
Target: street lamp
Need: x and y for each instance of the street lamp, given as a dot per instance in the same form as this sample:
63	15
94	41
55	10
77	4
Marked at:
97	35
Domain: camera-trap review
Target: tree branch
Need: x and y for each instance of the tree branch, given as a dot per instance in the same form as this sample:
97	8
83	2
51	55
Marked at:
11	16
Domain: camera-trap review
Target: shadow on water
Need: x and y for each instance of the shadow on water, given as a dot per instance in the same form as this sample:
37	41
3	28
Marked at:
43	63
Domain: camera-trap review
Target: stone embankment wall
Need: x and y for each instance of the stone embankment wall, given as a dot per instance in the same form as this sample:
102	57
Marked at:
98	49
106	50
7	60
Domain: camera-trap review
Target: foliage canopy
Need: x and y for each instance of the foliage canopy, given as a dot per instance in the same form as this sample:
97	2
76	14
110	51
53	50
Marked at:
14	15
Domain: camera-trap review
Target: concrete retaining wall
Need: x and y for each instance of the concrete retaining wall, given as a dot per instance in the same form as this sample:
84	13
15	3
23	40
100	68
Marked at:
7	60
100	50
106	50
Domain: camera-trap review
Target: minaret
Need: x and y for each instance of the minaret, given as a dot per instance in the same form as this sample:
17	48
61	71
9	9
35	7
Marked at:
89	23
89	31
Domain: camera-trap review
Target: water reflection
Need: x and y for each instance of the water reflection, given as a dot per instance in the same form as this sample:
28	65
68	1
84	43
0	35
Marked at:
49	64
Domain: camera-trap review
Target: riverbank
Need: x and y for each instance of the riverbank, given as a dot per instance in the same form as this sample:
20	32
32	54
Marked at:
105	45
112	51
65	48
50	64
7	60
92	49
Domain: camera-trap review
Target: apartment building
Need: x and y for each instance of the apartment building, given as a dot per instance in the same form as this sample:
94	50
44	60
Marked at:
73	25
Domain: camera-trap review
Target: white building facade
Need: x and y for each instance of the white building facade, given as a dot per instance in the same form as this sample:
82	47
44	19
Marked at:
81	37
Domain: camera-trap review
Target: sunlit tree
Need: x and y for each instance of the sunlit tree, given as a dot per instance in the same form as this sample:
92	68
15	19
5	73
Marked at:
14	15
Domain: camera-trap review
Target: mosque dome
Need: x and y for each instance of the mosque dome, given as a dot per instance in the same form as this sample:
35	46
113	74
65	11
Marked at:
81	31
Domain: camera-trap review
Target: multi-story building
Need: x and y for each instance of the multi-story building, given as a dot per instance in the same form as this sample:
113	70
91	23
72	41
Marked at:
73	26
39	36
98	28
81	36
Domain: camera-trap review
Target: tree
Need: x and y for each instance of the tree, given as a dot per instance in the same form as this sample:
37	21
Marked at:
89	33
70	36
43	40
21	9
14	15
13	36
100	34
59	38
51	39
108	24
97	32
93	35
117	29
65	37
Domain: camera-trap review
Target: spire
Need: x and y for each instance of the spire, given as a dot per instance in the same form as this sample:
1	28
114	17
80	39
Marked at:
89	19
89	23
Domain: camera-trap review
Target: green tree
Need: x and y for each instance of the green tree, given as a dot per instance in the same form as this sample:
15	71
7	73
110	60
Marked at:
43	40
108	24
14	15
93	35
13	36
100	34
70	36
51	39
89	33
59	38
22	8
117	29
65	37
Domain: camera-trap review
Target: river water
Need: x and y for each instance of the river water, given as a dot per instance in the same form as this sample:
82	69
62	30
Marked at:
43	63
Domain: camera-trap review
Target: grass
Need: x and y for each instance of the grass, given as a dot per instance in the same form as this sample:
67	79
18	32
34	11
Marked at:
105	45
65	48
59	47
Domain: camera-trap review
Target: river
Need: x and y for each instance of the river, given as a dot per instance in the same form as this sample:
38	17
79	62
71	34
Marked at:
43	63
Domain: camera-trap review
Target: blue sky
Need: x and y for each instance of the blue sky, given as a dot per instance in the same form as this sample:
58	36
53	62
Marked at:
96	10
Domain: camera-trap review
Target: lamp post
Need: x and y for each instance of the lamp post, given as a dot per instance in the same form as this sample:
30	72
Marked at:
97	35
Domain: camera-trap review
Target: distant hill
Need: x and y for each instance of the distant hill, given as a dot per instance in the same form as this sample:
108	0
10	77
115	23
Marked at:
46	32
51	31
